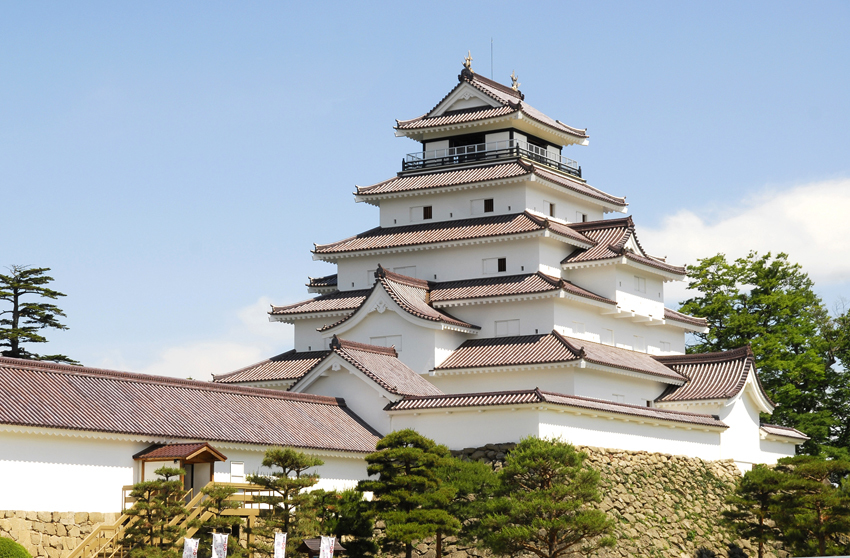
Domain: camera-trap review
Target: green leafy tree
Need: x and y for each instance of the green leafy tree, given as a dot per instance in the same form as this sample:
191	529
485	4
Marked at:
751	505
467	486
407	493
23	319
287	498
812	512
153	534
770	303
214	509
837	334
544	504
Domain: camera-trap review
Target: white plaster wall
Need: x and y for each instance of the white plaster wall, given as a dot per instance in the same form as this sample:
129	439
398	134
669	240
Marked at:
566	205
600	280
307	338
600	384
535	316
418	343
650	303
741	440
448	264
459	430
772	451
361	397
337	473
558	380
61	473
601	432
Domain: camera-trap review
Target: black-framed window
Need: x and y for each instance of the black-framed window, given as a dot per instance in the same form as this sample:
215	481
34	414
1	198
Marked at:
427	212
488	205
502	265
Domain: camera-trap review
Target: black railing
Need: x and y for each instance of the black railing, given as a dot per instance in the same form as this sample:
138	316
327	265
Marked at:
486	152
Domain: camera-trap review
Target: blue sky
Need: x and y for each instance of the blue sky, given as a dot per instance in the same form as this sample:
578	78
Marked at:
174	162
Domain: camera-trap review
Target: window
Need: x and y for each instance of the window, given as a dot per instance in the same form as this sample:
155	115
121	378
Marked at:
617	398
237	471
387	341
640	284
578	328
417	214
549	208
494	265
427	213
581	217
370	277
488	206
606	337
648	402
665	346
409	270
640	344
506	328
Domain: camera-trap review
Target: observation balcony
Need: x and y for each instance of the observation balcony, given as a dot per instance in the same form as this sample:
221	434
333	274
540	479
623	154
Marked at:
488	152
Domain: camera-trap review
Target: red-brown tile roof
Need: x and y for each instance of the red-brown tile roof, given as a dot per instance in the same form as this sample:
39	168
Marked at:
412	296
551	348
511	285
484	173
334	302
175	451
70	397
290	365
381	364
610	237
381	238
684	318
718	375
536	396
785	431
511	101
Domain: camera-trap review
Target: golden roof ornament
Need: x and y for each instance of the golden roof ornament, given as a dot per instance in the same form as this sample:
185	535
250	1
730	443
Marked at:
514	83
467	62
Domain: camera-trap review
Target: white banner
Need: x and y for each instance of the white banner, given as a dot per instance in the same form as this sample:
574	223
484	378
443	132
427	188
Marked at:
219	547
280	545
326	550
190	548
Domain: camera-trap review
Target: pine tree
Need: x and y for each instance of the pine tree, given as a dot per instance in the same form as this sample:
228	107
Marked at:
407	493
770	303
812	512
216	503
751	505
470	484
544	504
287	498
21	321
158	502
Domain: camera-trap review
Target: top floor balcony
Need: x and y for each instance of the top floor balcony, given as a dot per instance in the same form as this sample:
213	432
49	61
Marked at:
488	152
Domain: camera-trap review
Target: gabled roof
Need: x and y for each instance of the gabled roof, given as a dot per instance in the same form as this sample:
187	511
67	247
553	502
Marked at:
338	301
48	395
536	396
510	285
381	238
412	296
424	181
382	366
552	347
610	238
290	365
720	375
190	451
508	101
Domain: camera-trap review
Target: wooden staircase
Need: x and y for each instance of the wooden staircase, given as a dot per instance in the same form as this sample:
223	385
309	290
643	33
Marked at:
106	541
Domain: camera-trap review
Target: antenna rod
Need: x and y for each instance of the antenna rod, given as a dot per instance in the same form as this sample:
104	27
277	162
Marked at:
491	57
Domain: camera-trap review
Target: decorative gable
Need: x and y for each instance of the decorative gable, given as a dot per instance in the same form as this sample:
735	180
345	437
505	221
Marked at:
464	97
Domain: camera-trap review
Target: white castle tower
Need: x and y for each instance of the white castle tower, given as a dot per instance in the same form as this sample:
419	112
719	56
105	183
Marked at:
494	301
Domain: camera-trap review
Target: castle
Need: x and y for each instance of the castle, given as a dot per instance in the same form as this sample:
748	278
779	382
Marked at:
494	301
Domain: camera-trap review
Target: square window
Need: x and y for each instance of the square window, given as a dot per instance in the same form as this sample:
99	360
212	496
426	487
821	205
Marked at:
665	346
581	217
505	328
578	328
488	206
503	264
549	208
640	284
427	212
237	471
494	265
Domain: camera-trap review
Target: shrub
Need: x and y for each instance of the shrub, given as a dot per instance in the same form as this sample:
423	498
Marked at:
11	549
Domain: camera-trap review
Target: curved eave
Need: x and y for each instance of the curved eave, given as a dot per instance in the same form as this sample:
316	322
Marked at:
334	256
498	299
291	318
556	136
665	275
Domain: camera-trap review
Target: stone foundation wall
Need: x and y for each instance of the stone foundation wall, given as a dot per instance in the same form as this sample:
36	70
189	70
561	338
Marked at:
51	534
664	505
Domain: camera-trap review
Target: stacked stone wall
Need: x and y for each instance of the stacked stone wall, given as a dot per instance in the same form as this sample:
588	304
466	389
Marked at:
51	534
